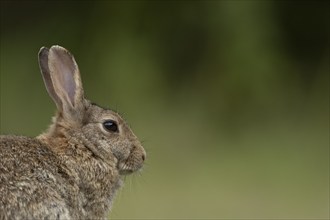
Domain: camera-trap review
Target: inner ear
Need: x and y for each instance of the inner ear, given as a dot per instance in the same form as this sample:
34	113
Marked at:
64	69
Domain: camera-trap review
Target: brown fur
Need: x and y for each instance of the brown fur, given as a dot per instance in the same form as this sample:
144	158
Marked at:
73	170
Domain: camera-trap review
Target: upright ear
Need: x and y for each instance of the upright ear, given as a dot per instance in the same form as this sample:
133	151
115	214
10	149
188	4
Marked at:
62	79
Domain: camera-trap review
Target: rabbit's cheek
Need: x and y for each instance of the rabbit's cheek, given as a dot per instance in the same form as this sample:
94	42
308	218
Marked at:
120	152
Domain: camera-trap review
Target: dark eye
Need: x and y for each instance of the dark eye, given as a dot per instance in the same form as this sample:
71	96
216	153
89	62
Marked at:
110	125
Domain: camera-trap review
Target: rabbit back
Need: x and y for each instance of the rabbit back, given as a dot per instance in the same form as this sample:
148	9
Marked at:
31	178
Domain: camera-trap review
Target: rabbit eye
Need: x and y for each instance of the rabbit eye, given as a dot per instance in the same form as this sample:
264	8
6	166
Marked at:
110	125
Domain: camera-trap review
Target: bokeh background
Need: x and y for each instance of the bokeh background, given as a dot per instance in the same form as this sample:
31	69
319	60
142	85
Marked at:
230	98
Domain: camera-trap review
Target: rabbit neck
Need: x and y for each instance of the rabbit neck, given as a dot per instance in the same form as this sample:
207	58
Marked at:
98	181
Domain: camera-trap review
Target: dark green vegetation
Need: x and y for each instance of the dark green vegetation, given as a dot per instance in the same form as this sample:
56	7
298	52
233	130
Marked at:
231	98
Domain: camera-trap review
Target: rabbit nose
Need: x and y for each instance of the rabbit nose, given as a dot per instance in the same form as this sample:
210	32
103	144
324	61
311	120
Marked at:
143	157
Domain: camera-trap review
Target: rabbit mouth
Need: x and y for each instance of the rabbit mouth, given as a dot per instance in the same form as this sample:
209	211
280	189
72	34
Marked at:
125	168
132	163
129	166
125	172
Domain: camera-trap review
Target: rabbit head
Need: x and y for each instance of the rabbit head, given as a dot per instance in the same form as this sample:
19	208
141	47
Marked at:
102	131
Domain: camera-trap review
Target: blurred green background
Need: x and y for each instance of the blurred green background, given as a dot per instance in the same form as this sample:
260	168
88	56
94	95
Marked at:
230	98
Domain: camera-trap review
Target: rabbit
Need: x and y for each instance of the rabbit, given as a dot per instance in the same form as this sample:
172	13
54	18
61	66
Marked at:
74	169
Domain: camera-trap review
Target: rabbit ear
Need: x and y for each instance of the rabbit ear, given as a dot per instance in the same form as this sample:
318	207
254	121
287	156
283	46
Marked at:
62	79
43	64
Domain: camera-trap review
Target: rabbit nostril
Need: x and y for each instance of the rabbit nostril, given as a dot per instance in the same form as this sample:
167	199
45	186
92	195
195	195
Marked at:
143	157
